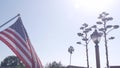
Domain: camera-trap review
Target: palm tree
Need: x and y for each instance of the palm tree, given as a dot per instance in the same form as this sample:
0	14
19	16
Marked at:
70	50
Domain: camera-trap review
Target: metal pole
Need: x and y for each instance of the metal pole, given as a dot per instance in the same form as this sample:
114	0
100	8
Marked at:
10	20
97	56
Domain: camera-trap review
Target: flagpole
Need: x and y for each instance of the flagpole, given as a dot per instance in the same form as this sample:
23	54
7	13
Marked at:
9	20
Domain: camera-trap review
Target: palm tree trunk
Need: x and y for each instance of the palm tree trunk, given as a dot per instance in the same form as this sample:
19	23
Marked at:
70	59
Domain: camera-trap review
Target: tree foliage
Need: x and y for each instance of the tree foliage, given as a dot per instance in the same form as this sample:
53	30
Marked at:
12	61
54	65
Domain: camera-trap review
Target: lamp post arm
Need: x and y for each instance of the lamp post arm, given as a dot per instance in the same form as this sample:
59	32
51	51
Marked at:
89	39
83	44
109	31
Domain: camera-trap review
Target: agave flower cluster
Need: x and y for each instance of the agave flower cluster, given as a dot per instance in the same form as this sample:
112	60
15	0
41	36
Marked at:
105	29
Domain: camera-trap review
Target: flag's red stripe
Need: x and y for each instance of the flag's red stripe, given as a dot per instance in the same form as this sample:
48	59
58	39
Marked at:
39	64
33	54
38	61
33	57
17	45
15	51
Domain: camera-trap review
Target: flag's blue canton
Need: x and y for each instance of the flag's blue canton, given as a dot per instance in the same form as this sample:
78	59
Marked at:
19	28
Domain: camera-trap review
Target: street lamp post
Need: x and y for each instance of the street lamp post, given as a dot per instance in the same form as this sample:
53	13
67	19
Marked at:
95	36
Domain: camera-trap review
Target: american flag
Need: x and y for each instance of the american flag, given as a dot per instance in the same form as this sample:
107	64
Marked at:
16	38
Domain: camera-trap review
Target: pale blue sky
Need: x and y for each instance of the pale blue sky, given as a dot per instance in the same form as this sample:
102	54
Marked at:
52	26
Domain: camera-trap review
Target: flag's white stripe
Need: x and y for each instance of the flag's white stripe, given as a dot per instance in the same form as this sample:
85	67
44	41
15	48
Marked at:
18	42
37	61
33	54
17	49
24	41
33	57
36	58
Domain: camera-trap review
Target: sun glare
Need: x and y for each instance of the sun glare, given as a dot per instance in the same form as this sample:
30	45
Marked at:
93	4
